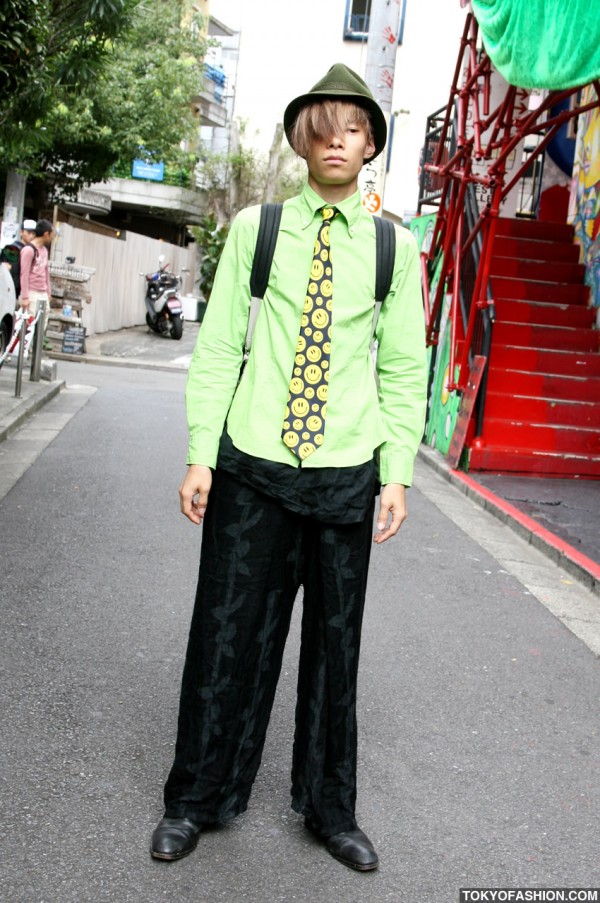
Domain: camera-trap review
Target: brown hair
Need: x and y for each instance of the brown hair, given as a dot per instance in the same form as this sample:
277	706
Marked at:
323	119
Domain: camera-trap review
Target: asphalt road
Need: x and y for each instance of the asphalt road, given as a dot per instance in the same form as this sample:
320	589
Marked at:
479	707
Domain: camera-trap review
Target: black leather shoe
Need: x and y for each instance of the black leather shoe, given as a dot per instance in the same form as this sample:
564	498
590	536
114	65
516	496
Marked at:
353	848
174	837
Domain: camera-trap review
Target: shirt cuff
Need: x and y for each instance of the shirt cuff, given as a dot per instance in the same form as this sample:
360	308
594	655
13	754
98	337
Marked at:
395	467
203	452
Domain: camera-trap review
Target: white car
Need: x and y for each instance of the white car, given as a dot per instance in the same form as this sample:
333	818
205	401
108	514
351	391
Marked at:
8	304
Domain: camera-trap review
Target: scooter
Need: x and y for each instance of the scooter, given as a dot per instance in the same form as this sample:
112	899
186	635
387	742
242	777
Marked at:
164	311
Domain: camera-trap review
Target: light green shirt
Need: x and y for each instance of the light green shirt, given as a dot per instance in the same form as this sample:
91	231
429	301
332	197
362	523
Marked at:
363	413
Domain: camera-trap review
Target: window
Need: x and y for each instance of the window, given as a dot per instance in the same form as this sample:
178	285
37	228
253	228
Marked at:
356	24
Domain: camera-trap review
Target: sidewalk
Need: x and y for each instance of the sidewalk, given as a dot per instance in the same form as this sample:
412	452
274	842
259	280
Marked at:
559	517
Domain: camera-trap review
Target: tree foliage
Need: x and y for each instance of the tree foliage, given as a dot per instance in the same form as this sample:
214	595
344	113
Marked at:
118	85
46	44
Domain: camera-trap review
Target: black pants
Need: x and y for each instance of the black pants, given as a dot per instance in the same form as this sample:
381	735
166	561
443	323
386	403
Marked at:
255	555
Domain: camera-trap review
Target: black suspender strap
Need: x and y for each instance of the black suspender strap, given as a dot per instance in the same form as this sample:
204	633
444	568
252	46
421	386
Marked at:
270	217
385	236
268	229
385	257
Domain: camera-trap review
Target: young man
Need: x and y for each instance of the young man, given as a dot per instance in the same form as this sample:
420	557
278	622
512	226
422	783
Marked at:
282	473
10	254
35	274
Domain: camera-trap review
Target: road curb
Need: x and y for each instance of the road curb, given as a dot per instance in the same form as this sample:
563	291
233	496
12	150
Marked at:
106	361
24	408
557	550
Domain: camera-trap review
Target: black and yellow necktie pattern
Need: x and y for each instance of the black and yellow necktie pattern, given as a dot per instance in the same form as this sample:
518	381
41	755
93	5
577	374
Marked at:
306	410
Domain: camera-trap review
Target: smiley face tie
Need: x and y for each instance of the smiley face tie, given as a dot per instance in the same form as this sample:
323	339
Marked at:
306	410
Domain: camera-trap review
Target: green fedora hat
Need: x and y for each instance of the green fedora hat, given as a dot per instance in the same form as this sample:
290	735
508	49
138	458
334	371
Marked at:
341	83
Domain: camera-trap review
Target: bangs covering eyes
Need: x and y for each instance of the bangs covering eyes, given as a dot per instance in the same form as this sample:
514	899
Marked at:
322	120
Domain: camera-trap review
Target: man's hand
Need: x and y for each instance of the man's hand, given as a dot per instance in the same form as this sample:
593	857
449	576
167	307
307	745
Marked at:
193	492
392	504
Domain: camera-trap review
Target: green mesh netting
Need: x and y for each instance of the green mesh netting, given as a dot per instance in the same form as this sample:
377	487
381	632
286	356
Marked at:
542	43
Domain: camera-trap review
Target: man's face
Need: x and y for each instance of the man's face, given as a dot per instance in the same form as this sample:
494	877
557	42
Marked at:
339	159
47	238
27	235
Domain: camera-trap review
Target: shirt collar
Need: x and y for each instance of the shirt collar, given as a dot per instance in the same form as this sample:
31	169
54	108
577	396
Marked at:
311	202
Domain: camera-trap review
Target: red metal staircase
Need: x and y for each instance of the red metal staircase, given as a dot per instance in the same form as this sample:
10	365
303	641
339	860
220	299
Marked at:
507	297
542	410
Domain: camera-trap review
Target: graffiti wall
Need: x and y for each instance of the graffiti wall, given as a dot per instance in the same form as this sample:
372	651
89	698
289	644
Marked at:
443	405
584	205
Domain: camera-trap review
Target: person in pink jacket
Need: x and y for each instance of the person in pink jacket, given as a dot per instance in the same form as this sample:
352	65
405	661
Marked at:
35	275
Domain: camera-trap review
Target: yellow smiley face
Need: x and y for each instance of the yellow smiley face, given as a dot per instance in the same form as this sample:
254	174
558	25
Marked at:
300	359
327	288
319	439
324	255
329	304
322	393
314	423
291	439
313	288
304	320
296	386
313	353
309	392
300	407
318	336
301	344
316	270
320	318
306	449
327	347
298	424
313	374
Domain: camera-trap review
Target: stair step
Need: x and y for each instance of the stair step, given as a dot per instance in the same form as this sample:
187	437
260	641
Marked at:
544	385
532	249
546	464
537	271
542	312
556	437
542	361
536	409
533	229
532	335
528	290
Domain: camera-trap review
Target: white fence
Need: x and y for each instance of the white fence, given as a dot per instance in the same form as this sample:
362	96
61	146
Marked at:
117	289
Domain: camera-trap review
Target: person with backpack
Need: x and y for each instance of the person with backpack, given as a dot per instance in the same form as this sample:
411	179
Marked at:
284	465
35	272
10	254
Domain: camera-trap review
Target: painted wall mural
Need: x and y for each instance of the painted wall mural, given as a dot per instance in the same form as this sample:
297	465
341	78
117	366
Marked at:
584	205
443	405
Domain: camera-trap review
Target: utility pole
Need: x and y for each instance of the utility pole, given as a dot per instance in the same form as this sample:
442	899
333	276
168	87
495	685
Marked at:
384	28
